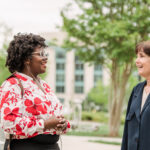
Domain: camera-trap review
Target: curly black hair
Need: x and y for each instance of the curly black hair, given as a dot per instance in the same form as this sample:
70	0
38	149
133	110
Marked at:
20	49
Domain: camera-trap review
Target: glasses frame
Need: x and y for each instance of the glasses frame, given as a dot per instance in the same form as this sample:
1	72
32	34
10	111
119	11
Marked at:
41	54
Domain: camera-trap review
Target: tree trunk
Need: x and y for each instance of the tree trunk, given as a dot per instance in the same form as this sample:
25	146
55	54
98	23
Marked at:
119	82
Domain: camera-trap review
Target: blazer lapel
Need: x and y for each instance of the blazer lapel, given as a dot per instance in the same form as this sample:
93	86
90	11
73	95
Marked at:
136	105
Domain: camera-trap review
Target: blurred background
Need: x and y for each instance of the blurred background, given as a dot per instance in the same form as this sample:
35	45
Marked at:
91	64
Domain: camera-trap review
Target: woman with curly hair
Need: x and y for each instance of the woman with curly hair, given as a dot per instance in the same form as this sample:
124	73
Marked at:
30	113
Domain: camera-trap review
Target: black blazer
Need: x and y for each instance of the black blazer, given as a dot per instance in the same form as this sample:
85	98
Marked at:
137	124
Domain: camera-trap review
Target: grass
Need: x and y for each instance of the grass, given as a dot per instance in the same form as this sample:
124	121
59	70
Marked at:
103	131
106	142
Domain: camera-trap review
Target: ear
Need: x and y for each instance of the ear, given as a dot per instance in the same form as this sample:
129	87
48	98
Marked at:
27	62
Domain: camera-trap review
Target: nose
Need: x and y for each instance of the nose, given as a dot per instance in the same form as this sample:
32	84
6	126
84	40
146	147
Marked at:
137	61
45	59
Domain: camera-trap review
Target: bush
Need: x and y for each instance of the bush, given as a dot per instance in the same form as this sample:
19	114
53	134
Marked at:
4	73
97	98
95	116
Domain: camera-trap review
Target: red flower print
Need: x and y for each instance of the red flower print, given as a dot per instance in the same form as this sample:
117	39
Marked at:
19	130
47	88
11	115
27	92
60	107
47	103
37	101
35	134
32	122
42	109
35	108
12	80
28	102
21	77
68	125
4	98
32	110
7	110
32	81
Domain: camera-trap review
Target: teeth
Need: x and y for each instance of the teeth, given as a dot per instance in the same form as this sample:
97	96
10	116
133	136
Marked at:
139	66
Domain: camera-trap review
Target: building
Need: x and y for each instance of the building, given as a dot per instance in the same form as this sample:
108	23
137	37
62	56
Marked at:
69	77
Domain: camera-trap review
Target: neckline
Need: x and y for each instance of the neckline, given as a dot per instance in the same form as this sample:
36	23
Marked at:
24	75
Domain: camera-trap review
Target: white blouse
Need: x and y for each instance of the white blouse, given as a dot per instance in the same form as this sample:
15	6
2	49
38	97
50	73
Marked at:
24	117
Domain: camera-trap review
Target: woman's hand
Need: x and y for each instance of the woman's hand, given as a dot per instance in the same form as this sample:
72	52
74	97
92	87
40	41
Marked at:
52	122
62	123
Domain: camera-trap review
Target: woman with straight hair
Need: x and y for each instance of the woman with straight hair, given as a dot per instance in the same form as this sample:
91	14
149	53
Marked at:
137	125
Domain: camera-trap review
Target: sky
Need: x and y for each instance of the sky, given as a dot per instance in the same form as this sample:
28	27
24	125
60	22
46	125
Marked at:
34	16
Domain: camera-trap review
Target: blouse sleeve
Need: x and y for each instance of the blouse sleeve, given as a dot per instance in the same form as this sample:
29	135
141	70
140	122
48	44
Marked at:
57	106
59	111
12	106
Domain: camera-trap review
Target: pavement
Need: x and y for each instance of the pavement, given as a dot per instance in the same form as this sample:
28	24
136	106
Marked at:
79	143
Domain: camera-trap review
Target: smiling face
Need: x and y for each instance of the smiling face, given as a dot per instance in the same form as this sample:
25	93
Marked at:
143	64
38	63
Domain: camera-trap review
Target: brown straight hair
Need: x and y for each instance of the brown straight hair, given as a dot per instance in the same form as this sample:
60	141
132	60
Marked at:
144	47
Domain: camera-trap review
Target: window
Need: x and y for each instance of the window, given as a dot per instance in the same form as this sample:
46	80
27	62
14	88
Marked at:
78	78
61	100
60	66
97	77
98	67
79	89
60	78
97	73
60	55
60	89
79	75
79	66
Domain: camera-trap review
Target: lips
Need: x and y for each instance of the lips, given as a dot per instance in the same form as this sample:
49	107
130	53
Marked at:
44	65
139	66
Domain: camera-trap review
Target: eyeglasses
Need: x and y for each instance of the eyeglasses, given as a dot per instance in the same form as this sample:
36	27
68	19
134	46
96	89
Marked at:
41	54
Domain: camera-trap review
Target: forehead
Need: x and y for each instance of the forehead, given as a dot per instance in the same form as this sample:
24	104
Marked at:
38	49
142	53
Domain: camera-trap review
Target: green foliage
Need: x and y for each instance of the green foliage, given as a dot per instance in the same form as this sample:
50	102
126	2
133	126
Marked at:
102	131
105	142
106	32
107	28
4	73
133	81
98	95
43	75
95	116
5	33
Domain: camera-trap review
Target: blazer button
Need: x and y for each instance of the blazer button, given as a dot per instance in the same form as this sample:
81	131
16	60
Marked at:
137	140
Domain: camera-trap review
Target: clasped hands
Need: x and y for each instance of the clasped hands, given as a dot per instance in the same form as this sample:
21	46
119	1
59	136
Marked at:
58	123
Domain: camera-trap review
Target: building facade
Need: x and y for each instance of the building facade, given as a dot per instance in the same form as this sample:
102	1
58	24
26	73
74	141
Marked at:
69	77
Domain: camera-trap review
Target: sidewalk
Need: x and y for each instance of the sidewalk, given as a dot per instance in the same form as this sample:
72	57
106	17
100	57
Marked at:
81	143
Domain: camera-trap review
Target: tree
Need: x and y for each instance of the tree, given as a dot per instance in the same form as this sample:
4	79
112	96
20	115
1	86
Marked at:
5	33
97	95
106	32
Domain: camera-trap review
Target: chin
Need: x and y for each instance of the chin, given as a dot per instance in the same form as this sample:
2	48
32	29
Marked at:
142	75
43	71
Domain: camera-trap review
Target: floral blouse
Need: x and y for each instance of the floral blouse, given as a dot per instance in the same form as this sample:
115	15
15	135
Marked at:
24	116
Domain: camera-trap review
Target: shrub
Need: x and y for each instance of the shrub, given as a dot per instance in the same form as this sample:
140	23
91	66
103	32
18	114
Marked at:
95	116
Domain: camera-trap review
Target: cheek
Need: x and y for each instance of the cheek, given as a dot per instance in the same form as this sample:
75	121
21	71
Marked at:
36	63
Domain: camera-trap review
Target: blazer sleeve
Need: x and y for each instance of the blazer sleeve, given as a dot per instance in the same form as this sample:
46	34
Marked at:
125	134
